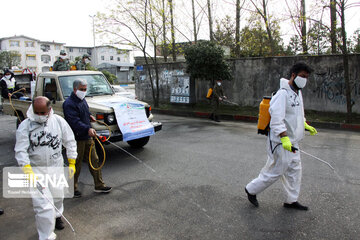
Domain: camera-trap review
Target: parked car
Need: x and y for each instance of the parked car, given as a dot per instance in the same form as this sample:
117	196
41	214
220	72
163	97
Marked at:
123	92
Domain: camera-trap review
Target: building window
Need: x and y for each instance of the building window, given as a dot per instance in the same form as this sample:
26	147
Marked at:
45	47
14	43
82	49
102	58
71	49
57	47
111	57
71	58
29	44
30	57
118	58
45	58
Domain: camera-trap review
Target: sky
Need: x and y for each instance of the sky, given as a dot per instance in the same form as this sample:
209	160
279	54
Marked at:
68	21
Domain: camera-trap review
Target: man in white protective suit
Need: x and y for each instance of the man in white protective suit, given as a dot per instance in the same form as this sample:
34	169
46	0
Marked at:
39	141
287	127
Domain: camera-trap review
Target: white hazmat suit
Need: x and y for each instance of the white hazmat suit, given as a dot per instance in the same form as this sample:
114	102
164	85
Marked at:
287	114
40	145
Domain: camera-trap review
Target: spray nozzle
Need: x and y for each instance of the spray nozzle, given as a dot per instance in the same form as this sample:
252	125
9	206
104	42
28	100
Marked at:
294	149
102	138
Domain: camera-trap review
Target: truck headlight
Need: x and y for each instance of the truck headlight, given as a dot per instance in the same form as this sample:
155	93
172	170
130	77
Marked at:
110	119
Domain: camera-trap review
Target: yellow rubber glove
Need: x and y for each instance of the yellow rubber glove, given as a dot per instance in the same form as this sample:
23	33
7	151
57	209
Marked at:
311	129
72	169
286	143
27	169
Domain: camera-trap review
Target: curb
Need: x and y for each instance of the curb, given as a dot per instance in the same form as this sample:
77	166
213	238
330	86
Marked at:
328	125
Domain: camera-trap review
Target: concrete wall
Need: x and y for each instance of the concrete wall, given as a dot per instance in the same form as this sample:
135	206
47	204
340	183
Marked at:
255	77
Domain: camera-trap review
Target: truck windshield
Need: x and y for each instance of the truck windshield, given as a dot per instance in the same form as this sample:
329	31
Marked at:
97	85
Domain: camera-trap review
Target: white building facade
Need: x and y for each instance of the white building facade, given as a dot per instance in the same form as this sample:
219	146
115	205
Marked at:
36	55
39	56
116	61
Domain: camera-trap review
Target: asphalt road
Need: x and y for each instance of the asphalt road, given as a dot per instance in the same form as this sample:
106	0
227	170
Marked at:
190	185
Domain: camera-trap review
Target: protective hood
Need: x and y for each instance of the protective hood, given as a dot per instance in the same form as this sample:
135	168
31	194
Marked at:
284	83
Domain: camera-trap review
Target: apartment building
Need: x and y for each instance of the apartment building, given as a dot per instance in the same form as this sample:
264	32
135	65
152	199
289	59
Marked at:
36	55
39	55
116	61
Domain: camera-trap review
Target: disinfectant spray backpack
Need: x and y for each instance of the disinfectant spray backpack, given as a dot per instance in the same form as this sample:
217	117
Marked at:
264	116
209	93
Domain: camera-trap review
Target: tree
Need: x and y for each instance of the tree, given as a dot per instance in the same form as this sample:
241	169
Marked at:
255	40
263	12
355	43
238	8
210	21
164	42
225	34
318	39
136	23
109	76
206	61
333	26
9	59
172	30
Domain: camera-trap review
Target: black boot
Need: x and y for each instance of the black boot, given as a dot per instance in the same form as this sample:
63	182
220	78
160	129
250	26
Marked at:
59	224
1	211
252	198
296	205
211	116
216	118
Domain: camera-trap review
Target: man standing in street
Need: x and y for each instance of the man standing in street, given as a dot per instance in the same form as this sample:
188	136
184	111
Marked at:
216	98
77	114
62	64
81	64
287	127
39	141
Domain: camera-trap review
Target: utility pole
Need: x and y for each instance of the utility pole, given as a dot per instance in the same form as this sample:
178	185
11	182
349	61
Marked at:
93	23
94	58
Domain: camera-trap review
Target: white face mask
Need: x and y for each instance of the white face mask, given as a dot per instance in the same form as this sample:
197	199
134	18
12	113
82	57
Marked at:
219	83
300	82
87	61
80	94
8	77
41	118
63	57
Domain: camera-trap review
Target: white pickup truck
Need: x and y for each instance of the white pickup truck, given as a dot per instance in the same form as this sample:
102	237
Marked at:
57	86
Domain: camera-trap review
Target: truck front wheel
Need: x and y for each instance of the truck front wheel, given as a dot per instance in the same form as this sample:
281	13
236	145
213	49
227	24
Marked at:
139	143
18	121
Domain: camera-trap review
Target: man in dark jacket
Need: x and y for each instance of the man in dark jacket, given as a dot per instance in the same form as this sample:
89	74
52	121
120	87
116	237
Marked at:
216	98
77	114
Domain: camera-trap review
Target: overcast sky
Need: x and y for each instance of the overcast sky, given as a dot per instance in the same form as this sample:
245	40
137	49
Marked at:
68	21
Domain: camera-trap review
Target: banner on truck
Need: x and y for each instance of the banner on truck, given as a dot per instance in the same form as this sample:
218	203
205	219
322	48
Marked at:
131	119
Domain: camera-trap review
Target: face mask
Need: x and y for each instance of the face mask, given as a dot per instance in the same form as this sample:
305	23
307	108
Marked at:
80	94
219	83
87	61
63	57
8	77
300	82
41	118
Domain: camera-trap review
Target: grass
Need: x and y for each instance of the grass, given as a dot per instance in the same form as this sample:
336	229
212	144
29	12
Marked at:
312	116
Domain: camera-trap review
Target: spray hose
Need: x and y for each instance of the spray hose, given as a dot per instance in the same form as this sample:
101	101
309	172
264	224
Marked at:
12	106
99	139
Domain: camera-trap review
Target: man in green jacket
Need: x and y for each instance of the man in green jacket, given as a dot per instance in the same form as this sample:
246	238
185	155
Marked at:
62	64
81	64
216	97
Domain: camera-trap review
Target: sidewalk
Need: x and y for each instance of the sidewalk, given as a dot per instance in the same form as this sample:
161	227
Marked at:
331	119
